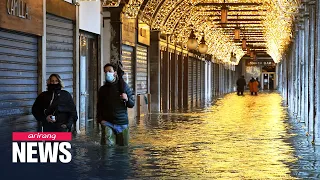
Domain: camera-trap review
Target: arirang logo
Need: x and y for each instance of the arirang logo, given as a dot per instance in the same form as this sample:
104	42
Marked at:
43	152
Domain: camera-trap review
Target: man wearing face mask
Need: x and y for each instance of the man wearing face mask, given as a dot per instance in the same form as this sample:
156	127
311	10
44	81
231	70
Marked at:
112	107
55	108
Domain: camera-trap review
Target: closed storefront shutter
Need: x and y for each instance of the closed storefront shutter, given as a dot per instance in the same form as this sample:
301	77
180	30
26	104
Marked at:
60	46
190	90
127	62
18	82
142	70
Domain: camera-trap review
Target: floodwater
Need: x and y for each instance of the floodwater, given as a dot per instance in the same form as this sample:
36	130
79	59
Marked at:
238	137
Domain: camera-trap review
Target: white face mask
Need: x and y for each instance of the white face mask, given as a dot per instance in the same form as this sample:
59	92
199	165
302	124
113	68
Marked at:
109	77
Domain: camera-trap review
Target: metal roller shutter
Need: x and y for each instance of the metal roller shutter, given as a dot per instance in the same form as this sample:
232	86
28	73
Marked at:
142	70
18	82
127	62
189	80
60	38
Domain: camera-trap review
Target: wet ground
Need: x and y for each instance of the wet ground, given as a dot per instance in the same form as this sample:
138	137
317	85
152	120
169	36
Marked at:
239	137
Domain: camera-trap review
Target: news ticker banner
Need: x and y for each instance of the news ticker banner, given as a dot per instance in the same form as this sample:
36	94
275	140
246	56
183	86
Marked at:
41	147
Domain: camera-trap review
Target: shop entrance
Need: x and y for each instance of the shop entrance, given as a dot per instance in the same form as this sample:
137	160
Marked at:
88	79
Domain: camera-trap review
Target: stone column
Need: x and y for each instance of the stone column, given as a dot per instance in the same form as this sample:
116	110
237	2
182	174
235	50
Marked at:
317	77
279	75
305	103
155	70
300	73
116	34
174	80
295	65
285	78
293	87
311	66
185	81
165	81
221	78
180	80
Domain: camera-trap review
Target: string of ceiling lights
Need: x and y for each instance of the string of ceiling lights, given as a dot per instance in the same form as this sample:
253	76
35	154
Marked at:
227	29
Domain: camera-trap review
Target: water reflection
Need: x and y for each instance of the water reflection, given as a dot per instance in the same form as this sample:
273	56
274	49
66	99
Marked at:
238	138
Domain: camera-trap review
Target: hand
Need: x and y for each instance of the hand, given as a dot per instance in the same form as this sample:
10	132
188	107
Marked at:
102	122
64	126
49	119
124	96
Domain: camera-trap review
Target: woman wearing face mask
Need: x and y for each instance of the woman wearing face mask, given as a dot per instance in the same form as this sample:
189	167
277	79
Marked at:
55	108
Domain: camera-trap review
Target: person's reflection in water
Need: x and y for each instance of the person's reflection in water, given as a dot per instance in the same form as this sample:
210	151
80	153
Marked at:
114	162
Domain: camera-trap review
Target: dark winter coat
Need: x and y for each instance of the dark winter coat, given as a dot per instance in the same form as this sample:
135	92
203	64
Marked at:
110	106
65	110
241	83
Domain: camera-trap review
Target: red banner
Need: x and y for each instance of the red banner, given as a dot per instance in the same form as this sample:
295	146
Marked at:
41	136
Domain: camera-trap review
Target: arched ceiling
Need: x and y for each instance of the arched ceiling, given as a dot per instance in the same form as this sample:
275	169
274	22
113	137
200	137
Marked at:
266	24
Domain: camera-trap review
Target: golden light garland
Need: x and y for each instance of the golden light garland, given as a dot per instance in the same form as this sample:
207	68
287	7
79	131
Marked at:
175	17
110	3
132	8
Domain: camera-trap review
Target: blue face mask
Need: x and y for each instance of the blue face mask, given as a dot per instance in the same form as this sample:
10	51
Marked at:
109	77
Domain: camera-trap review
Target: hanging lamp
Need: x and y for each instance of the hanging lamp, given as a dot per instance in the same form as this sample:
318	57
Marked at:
192	43
203	48
224	13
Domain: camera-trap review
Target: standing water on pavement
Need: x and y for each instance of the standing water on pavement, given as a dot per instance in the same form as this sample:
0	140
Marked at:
238	137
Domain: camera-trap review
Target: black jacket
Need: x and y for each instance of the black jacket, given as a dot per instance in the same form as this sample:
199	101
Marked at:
241	82
110	106
65	110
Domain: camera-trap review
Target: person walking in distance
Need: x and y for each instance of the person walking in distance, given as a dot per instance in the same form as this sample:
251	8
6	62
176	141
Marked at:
253	86
241	83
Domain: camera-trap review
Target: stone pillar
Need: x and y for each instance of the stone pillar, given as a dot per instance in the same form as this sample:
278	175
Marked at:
284	78
279	75
173	80
185	81
180	80
317	77
305	102
293	84
221	79
230	79
300	73
116	34
155	70
311	67
296	75
165	81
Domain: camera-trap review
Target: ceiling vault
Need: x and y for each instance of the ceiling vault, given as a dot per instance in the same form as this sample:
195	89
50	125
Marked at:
266	24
